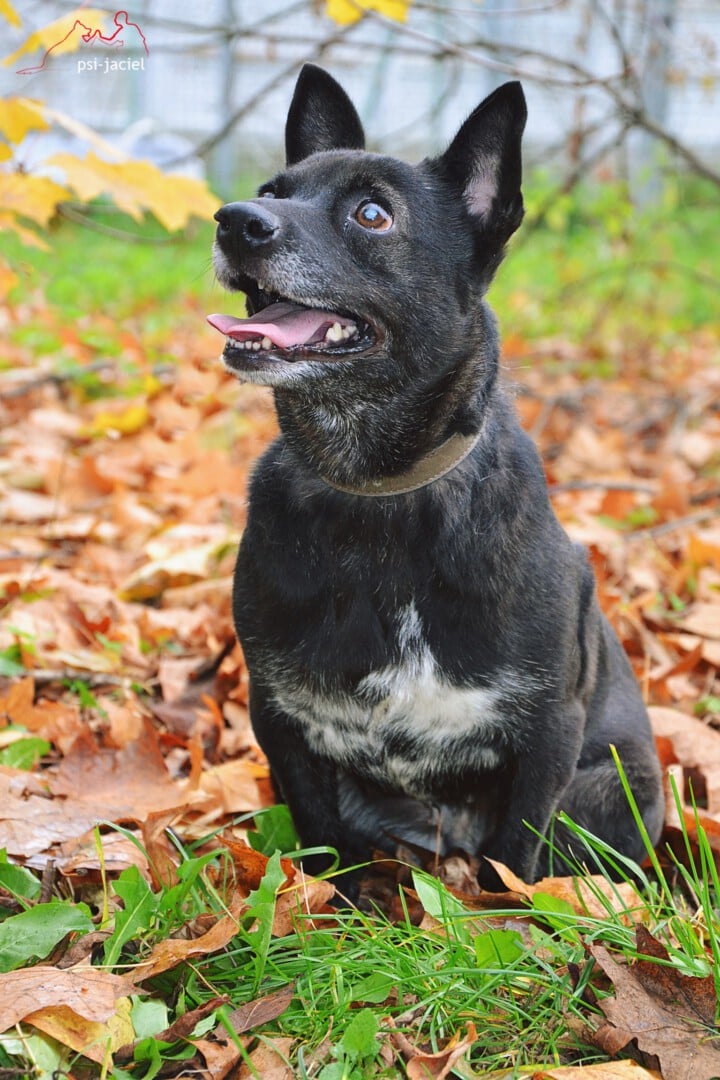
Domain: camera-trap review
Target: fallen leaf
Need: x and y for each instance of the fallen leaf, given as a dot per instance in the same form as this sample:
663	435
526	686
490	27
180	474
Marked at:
668	1014
612	1070
306	896
129	783
170	952
250	865
701	619
269	1060
580	893
259	1012
233	785
31	824
89	992
696	747
422	1065
91	1038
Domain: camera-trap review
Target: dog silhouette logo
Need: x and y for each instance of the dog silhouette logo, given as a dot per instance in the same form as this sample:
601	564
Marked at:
124	33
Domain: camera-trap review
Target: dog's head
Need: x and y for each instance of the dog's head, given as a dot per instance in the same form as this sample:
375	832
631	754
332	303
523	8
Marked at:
351	257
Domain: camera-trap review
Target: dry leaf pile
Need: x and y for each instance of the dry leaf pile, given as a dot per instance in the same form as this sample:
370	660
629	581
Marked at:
120	512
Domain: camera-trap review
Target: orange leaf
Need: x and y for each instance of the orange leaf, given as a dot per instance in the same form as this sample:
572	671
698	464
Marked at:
169	953
580	893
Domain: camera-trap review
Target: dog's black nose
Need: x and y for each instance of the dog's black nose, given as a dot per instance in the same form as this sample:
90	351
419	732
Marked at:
246	223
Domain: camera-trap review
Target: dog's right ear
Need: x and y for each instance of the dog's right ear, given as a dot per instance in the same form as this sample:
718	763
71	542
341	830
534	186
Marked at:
321	117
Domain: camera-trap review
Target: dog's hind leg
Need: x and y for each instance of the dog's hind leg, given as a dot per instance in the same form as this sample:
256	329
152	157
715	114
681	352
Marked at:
596	801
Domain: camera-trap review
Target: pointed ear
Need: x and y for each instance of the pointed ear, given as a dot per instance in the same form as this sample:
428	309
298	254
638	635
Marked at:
484	162
321	117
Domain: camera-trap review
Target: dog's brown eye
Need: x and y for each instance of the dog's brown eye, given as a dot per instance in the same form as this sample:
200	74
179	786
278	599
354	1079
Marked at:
373	216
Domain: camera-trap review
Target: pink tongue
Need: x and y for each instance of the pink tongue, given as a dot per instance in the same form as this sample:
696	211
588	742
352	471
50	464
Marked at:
285	324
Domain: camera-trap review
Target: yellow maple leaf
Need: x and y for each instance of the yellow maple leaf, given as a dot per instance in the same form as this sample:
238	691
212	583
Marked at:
10	223
32	197
18	115
184	197
137	186
346	12
61	36
9	13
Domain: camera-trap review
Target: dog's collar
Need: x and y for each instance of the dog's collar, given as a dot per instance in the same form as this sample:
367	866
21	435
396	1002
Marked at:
438	463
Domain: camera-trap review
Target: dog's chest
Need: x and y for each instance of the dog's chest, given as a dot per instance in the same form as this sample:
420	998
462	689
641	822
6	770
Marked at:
403	723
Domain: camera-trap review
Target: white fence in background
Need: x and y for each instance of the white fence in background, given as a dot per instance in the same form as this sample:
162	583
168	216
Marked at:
195	76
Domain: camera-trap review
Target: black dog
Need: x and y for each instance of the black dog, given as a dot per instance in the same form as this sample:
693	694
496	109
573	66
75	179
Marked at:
427	658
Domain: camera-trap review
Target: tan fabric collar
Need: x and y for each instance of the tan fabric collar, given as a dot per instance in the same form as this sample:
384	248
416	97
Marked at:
438	463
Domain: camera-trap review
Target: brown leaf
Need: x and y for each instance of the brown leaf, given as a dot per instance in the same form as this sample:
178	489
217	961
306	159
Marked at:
307	896
220	1056
696	746
173	951
702	619
87	991
257	1013
250	865
668	1014
234	785
33	824
422	1065
611	1070
127	783
161	854
268	1060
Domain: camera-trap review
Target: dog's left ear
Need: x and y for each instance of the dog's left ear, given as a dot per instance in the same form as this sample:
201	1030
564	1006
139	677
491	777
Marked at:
484	162
321	117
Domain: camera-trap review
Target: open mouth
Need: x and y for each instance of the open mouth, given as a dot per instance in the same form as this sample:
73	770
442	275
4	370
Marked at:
284	330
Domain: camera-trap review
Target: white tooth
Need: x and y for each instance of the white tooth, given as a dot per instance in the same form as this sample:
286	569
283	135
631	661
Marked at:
261	286
266	343
256	346
334	333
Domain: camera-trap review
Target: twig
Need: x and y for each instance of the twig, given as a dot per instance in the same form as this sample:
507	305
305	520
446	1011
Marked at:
67	211
573	177
46	676
601	485
654	531
47	882
58	378
277	80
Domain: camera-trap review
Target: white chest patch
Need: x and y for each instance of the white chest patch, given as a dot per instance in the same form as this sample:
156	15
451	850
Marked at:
409	698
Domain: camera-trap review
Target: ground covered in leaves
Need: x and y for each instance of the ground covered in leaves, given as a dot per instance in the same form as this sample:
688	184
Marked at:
123	694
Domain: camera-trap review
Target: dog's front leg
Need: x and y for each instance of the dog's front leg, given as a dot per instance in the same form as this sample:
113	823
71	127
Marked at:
542	771
308	783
